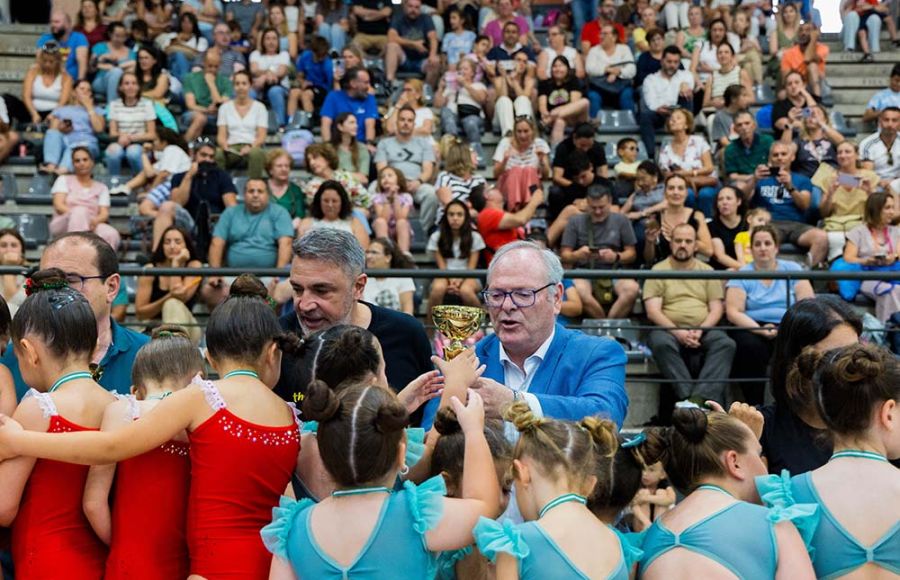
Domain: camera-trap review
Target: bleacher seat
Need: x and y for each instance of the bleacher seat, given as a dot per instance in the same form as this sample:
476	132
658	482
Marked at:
840	124
38	191
419	235
8	186
35	229
112	182
617	122
764	117
764	94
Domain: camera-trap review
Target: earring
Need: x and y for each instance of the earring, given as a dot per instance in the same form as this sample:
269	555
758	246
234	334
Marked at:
404	470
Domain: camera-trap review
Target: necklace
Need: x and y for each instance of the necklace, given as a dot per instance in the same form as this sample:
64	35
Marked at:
70	377
241	373
713	487
859	453
569	497
359	491
158	397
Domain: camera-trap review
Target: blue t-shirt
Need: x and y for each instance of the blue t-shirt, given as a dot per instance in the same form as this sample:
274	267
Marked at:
115	365
82	132
767	303
67	49
320	74
338	102
772	196
252	239
884	99
417	29
456	45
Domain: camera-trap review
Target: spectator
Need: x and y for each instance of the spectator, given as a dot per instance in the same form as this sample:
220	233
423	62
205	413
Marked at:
459	41
786	33
169	299
392	204
515	92
139	33
626	169
663	92
316	71
269	68
46	85
89	22
877	10
287	39
560	100
689	156
171	154
498	227
496	29
153	79
728	74
521	161
880	151
569	179
647	199
373	19
204	92
672	304
110	60
650	61
461	99
889	97
238	39
583	176
12	253
816	143
242	126
353	156
185	45
691	38
76	123
704	61
414	156
844	194
601	239
208	13
412	94
744	154
750	52
331	208
92	269
735	99
502	54
583	11
523	295
728	221
591	33
555	48
391	293
73	46
455	246
756	218
230	60
610	69
756	307
647	22
458	180
157	14
876	245
354	98
322	162
807	57
282	190
203	191
412	44
659	234
248	14
81	204
131	123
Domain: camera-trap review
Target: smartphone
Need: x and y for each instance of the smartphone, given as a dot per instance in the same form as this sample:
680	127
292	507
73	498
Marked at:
774	170
807	112
848	180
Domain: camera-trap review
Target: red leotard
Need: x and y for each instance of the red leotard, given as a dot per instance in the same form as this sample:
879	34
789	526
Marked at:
149	514
51	537
238	471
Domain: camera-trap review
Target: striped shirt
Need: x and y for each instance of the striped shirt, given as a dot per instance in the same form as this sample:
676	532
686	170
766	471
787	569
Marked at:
873	149
460	188
131	120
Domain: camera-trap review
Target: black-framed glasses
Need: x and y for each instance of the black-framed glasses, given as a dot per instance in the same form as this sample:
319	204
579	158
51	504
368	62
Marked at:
76	281
521	297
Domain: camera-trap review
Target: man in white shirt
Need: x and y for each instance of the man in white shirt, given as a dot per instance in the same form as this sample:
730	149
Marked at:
880	151
663	92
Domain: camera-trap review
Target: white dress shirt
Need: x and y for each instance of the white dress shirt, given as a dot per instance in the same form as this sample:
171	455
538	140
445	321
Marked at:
519	379
661	91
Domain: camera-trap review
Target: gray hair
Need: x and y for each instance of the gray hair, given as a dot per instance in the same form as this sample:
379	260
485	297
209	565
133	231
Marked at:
552	265
333	246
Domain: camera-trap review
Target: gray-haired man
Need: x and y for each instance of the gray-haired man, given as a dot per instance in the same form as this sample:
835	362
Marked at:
327	279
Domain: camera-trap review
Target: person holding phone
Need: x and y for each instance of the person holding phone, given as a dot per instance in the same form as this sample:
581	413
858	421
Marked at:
844	195
876	246
813	140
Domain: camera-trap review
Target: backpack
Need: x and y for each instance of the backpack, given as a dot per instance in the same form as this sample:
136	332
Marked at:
295	142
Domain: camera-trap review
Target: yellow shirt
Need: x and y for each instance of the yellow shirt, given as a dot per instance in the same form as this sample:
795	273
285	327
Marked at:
743	240
684	302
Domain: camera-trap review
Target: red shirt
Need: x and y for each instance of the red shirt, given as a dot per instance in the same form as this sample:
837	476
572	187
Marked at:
590	32
489	227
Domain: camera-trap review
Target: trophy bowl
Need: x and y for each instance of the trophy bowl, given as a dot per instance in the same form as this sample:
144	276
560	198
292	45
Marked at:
456	323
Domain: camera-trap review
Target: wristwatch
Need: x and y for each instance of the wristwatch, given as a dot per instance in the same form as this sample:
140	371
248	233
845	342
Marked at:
516	395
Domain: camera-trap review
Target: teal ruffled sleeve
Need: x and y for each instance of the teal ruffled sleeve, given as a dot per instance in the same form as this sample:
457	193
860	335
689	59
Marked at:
492	537
446	563
309	427
632	545
777	494
415	445
275	535
426	502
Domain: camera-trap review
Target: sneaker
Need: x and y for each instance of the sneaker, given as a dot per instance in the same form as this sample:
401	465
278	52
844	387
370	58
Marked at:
868	57
120	190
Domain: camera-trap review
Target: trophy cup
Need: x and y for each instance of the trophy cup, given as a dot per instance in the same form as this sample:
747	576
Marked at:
456	323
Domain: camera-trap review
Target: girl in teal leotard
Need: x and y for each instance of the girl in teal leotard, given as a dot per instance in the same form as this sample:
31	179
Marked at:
856	390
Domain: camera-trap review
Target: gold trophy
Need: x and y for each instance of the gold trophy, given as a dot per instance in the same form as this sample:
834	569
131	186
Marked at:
457	323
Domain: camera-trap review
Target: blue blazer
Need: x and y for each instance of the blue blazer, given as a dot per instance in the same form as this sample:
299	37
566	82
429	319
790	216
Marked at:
581	375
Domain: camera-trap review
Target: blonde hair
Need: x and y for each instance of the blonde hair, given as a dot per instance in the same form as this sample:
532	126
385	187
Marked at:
418	86
457	155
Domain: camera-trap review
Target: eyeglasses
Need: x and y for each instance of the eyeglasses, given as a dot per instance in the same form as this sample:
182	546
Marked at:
522	297
76	281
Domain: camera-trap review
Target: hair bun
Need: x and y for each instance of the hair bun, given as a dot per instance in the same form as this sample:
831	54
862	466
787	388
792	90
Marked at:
446	422
521	415
861	366
45	280
248	286
391	416
320	404
604	433
691	424
164	331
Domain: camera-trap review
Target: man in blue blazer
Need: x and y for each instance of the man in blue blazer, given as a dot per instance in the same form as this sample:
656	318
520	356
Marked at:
561	373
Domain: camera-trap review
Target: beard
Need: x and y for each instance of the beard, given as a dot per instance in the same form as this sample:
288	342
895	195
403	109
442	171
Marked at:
682	256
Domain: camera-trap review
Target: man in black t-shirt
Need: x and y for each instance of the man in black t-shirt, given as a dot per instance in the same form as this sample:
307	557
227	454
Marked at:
328	281
373	17
567	168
